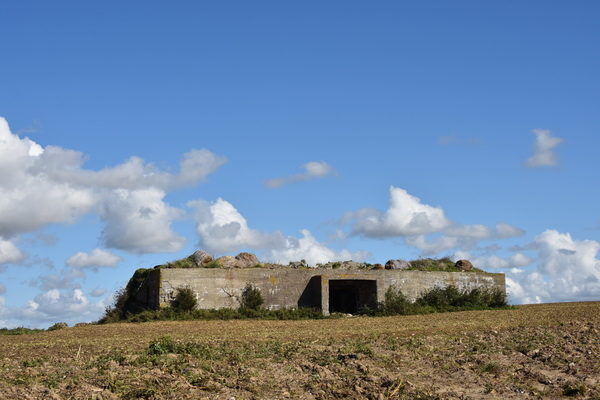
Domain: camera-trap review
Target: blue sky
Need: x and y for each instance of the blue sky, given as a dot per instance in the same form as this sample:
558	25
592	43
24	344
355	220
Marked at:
317	130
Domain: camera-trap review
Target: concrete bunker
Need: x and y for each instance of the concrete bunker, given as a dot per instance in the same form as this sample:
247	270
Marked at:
350	295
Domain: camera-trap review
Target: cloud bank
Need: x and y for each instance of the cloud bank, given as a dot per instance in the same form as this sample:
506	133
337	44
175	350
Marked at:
43	186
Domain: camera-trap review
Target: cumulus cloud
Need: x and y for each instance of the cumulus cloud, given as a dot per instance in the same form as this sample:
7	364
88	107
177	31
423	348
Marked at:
567	269
311	250
312	170
495	261
406	216
140	221
70	306
422	226
95	258
42	186
54	305
222	228
9	253
543	149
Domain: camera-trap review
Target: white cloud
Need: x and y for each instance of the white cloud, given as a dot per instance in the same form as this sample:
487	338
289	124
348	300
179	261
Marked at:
312	170
222	229
406	216
2	289
494	261
42	186
543	149
422	226
69	306
311	250
98	292
140	221
54	305
96	258
567	270
9	253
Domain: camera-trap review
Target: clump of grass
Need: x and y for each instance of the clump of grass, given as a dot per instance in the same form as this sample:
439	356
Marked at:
187	262
212	264
573	389
440	264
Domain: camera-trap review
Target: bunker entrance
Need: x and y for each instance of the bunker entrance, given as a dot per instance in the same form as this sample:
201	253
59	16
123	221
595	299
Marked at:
349	295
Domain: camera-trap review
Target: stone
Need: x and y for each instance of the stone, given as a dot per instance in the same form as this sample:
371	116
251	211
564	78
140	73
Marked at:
378	266
298	264
201	257
246	260
464	265
397	264
352	265
227	261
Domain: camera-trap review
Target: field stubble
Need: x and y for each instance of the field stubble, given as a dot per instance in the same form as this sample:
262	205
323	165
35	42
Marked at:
536	351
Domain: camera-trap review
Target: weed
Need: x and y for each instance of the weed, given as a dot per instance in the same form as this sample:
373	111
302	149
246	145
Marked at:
490	368
573	389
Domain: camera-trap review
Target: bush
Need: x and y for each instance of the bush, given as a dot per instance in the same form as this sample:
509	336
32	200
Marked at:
396	303
438	300
185	300
251	298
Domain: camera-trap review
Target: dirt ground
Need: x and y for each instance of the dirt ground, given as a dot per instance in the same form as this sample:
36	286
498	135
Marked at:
546	351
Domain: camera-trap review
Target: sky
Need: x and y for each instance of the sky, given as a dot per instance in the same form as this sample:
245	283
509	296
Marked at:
134	133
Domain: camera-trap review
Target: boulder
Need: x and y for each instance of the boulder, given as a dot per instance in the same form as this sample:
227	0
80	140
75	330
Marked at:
200	257
246	260
227	261
377	266
352	265
464	265
397	264
298	264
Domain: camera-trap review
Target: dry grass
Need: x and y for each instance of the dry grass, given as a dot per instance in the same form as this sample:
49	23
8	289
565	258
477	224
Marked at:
535	351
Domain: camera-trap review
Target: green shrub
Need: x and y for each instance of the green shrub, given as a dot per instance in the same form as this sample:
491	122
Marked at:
574	389
396	303
213	264
187	262
251	298
162	345
185	300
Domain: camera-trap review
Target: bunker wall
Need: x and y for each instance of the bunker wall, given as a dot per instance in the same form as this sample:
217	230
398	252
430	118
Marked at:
286	288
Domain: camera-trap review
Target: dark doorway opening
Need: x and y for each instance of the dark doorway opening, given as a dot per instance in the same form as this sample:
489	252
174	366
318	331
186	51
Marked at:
350	295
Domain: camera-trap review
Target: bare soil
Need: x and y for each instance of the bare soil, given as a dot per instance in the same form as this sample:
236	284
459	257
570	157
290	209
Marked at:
546	351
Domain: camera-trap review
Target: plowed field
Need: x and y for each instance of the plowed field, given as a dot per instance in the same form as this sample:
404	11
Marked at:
537	351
